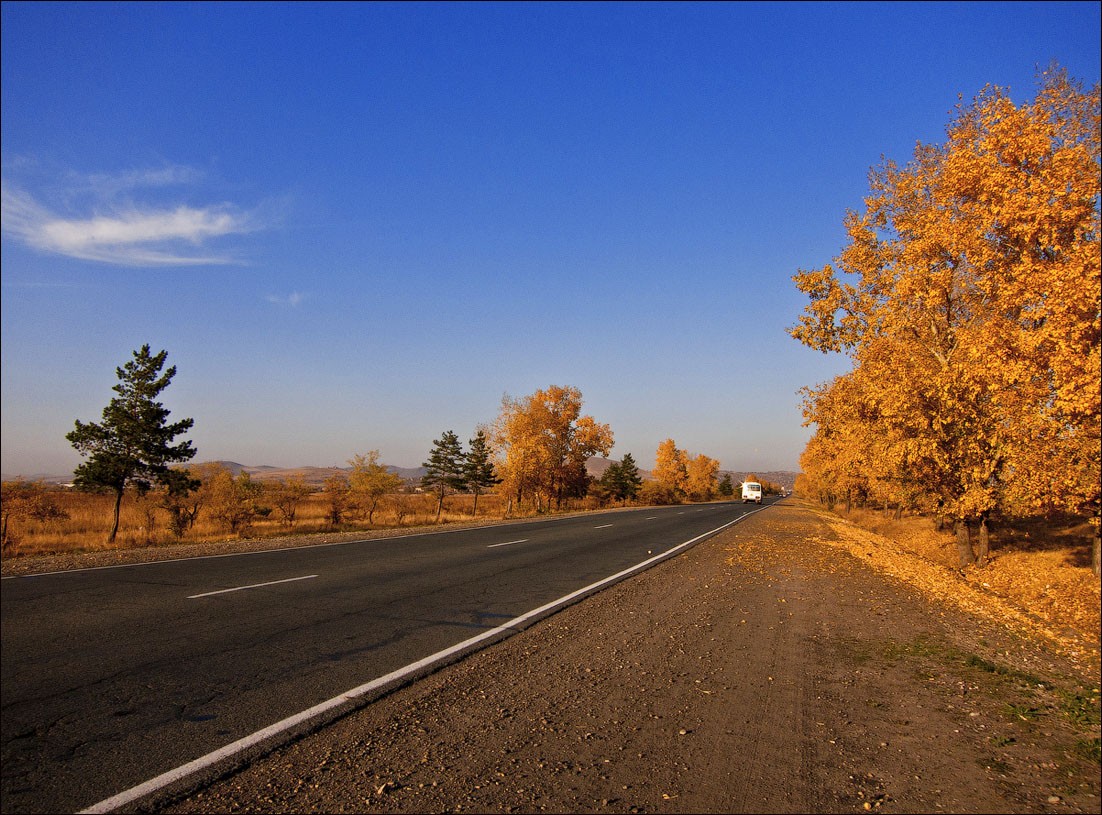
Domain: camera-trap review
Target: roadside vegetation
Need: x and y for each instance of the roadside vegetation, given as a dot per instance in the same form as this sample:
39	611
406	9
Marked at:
1041	566
531	460
969	298
42	519
1037	586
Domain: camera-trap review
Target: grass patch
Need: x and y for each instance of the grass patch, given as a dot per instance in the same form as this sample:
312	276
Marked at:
1024	712
978	662
922	647
1089	749
1080	708
1025	696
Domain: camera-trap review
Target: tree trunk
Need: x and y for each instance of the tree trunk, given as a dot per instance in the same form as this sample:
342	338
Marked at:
115	520
898	511
439	507
1096	550
939	518
474	509
984	545
964	544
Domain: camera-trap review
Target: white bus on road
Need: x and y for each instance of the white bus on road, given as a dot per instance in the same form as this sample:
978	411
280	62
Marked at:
751	491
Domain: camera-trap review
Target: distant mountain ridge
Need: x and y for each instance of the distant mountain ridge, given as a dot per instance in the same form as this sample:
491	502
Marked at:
316	476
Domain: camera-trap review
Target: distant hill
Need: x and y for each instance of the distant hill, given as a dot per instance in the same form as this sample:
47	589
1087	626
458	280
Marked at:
46	478
316	476
785	478
597	465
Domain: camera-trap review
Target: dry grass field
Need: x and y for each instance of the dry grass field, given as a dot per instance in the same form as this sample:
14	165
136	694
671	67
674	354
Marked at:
142	523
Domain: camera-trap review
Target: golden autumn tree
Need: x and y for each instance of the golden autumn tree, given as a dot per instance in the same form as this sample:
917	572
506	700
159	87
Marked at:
859	453
835	456
542	443
670	469
233	501
679	475
968	298
701	477
368	482
1037	167
25	499
287	495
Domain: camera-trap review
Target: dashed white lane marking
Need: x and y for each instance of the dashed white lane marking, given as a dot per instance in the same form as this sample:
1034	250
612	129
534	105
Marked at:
232	749
507	543
253	586
603	526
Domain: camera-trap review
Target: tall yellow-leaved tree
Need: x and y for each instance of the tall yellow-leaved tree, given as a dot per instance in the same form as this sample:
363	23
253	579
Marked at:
968	298
541	444
670	469
702	477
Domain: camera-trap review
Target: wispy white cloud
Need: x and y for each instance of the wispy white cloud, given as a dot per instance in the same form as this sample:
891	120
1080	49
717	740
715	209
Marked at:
107	186
127	233
292	299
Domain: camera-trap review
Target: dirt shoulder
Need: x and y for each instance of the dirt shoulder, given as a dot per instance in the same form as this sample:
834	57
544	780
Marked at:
773	668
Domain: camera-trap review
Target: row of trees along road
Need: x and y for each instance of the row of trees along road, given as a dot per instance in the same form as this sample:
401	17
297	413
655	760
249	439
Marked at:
449	468
683	475
536	450
968	298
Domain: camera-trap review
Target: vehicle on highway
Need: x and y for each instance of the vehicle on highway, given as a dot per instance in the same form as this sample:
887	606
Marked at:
751	492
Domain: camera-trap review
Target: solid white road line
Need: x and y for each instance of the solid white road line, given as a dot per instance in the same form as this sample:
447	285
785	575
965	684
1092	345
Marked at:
253	586
201	763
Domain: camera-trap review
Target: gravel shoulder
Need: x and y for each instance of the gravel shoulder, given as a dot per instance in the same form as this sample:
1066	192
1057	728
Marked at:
772	668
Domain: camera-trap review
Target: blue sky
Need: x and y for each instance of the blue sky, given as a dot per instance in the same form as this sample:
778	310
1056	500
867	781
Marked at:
355	226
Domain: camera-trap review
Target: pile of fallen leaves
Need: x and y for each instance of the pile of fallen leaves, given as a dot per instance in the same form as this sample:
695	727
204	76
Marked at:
1037	580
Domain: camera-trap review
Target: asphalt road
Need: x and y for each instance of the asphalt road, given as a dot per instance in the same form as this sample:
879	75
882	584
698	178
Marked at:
113	677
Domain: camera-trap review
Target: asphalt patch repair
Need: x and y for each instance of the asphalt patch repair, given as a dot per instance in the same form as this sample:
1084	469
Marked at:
785	665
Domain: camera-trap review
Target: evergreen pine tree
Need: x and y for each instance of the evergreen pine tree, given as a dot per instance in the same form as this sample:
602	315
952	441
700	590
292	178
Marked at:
445	468
621	479
479	468
630	481
133	444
